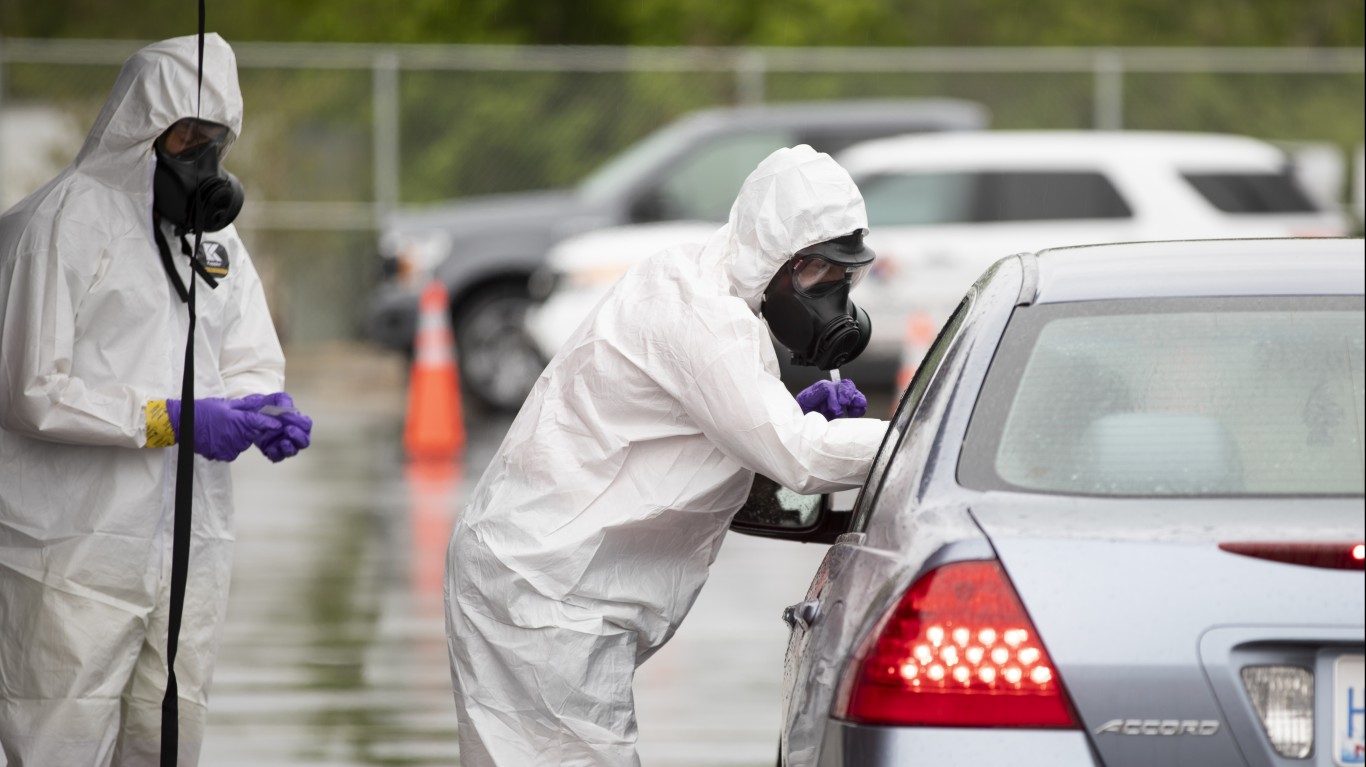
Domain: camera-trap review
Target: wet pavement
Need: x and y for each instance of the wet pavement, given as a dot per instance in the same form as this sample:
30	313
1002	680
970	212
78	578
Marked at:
334	648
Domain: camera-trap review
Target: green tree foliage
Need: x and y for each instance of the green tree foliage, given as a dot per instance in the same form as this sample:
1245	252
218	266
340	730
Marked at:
309	133
712	22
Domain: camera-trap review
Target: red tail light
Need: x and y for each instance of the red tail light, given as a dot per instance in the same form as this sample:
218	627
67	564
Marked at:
959	650
1334	555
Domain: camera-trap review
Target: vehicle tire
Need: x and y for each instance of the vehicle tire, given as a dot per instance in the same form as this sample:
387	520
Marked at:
498	360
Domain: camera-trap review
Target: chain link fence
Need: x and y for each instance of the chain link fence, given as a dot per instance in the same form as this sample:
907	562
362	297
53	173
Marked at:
335	136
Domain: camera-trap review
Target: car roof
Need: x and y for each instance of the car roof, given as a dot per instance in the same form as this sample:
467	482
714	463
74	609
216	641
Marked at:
930	112
1005	149
1184	268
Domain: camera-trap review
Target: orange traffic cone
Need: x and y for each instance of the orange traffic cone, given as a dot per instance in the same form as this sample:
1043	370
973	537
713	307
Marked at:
435	426
920	332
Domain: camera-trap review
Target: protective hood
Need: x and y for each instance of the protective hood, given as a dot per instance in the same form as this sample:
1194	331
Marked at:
795	198
157	86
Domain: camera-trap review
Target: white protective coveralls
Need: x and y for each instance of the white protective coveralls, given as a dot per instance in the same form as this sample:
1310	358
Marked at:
590	534
91	328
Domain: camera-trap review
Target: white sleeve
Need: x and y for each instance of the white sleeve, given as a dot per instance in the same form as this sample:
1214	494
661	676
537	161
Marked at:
38	395
751	417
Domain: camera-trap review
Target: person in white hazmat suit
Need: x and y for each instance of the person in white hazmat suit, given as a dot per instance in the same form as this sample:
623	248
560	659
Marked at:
92	347
591	532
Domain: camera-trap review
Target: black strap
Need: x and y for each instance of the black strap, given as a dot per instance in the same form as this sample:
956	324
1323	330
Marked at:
195	263
184	480
168	264
180	545
199	79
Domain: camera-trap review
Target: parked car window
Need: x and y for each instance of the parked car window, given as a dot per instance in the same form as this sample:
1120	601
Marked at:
607	181
922	199
901	420
918	199
1049	196
1252	192
703	186
1190	397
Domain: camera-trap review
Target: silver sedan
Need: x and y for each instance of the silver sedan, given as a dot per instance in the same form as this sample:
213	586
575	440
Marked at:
1117	520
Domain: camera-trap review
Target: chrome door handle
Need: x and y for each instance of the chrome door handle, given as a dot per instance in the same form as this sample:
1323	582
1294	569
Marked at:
802	614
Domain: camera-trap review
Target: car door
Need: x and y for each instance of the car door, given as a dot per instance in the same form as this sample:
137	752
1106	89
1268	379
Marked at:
813	658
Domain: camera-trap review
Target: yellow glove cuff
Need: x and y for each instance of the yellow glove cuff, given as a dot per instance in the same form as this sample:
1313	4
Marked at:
159	431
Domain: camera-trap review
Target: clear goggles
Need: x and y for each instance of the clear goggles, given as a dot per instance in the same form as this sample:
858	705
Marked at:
814	275
190	137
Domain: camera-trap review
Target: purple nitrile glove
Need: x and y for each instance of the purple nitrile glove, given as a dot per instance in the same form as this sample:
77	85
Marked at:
294	434
833	399
223	428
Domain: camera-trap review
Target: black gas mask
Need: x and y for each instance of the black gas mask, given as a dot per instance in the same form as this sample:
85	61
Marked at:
190	189
807	303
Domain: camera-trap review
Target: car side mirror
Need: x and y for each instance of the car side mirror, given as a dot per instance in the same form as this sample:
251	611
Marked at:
773	511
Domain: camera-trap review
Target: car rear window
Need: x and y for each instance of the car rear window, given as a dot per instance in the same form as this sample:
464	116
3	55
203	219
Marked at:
1174	397
917	199
1252	192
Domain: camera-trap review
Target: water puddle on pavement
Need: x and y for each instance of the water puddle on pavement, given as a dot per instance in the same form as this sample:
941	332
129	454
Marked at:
334	648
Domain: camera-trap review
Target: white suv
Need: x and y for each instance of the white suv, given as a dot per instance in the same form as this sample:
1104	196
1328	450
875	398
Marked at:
943	207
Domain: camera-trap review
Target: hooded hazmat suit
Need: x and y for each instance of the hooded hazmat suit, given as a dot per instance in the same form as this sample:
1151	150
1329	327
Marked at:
590	534
91	329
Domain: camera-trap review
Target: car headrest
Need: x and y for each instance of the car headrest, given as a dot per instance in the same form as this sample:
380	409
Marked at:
1159	454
